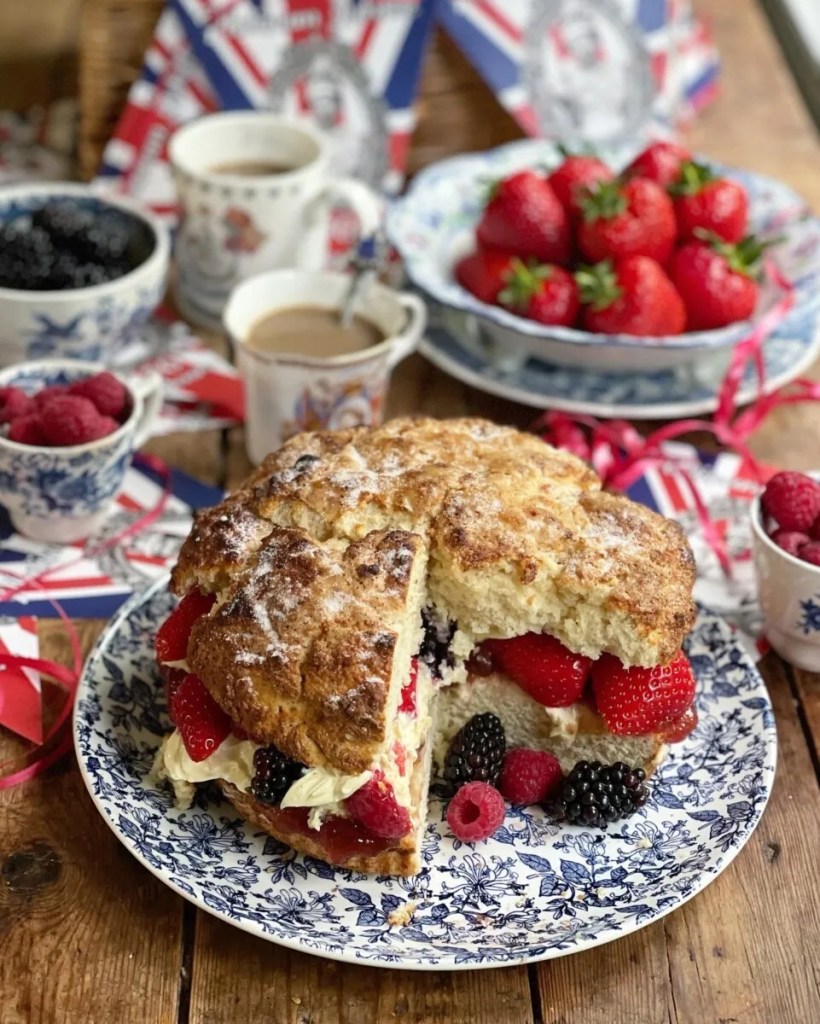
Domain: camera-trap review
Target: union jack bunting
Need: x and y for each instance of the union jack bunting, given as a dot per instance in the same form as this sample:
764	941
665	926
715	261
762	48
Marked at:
588	70
351	65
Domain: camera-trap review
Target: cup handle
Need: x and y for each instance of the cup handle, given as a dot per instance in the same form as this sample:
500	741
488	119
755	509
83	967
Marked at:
365	203
407	340
150	389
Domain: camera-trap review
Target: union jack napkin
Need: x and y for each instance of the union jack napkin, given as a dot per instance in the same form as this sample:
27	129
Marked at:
91	586
352	66
726	488
20	697
594	70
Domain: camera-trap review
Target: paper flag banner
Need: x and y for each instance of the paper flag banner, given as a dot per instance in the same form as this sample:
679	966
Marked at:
20	705
352	66
588	70
727	492
97	585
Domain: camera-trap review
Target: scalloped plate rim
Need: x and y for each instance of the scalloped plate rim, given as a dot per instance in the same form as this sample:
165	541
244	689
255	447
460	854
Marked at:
707	875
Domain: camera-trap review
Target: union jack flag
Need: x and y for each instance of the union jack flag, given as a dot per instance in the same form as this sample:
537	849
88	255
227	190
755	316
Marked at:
544	58
351	65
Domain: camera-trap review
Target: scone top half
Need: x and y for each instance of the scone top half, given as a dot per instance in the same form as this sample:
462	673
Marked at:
324	559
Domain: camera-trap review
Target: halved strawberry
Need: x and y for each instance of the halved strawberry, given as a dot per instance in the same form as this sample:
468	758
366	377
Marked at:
549	672
171	642
636	701
174	678
201	722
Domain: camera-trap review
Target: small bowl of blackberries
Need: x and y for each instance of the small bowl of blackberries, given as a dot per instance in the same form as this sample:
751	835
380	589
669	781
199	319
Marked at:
80	273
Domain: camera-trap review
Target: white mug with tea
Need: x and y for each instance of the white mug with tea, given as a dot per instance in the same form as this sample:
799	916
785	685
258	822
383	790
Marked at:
302	369
255	192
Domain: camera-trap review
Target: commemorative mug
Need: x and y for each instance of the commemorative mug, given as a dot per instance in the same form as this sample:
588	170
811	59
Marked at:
288	392
255	192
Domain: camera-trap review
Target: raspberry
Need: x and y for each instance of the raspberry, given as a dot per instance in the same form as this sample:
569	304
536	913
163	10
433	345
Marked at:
107	393
201	722
595	793
636	701
790	541
27	429
679	728
70	419
814	529
792	500
42	398
171	643
14	402
529	776
475	812
476	752
548	671
274	774
374	806
810	553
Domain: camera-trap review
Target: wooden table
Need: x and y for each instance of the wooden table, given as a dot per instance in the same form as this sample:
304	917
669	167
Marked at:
87	935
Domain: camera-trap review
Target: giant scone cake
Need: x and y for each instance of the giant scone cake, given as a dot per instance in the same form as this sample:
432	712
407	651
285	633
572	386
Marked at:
345	613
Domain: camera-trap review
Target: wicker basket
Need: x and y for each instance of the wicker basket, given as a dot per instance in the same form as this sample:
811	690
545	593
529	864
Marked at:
457	111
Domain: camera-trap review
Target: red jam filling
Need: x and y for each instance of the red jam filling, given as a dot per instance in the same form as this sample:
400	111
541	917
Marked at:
341	838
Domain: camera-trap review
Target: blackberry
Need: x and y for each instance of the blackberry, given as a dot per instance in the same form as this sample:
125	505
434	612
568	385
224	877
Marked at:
435	647
596	794
475	752
65	221
274	774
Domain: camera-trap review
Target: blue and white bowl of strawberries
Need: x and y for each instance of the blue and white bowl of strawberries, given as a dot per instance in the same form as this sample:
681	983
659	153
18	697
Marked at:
433	226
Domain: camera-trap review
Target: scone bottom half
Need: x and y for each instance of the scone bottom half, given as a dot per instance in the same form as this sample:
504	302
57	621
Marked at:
349	618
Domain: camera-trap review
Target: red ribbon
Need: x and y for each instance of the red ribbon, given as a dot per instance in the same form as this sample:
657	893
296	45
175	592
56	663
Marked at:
57	741
621	455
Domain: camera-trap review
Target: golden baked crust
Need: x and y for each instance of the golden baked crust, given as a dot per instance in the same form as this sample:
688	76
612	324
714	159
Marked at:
304	643
507	535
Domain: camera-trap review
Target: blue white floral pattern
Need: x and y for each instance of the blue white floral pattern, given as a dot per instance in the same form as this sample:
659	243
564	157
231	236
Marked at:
434	223
53	482
533	892
659	394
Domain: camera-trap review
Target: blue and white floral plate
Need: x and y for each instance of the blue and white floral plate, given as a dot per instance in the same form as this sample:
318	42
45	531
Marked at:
533	892
433	226
658	394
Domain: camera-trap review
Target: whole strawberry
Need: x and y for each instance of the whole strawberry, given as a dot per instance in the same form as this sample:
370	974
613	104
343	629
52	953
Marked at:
542	292
706	202
549	672
636	701
635	219
633	296
484	273
577	172
524	216
716	281
659	162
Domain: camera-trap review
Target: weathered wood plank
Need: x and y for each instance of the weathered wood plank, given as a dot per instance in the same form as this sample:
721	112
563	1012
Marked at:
86	933
237	977
808	692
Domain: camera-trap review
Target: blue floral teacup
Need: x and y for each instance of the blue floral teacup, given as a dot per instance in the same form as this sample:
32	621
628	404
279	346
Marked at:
62	495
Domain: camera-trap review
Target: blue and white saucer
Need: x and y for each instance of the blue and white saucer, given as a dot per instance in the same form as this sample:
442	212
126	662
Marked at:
532	892
690	390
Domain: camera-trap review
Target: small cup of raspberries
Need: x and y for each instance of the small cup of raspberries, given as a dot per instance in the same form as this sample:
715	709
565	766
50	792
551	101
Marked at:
79	273
786	541
67	432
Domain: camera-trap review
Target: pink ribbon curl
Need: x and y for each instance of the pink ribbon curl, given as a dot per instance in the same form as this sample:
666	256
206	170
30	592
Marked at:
621	455
57	741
